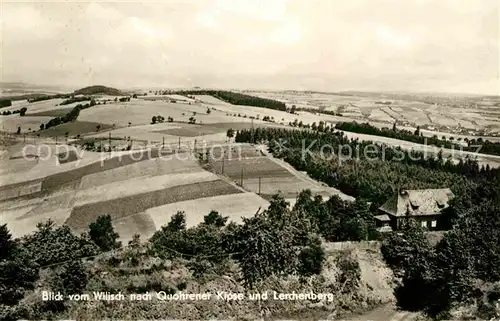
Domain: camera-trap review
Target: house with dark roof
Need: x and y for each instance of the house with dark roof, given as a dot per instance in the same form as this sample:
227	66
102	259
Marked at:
423	205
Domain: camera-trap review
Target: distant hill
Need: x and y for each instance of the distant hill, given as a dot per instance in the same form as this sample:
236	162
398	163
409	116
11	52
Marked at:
95	90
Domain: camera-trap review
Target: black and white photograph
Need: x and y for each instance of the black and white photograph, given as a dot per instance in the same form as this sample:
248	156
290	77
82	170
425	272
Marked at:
250	160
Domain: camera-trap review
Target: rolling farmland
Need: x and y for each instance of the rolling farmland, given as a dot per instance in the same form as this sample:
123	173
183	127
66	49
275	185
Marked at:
75	190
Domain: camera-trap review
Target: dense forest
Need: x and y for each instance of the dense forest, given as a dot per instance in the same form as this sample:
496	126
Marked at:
238	99
373	172
487	147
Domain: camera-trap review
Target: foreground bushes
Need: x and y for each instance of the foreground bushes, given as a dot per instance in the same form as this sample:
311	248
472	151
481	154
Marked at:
276	241
277	249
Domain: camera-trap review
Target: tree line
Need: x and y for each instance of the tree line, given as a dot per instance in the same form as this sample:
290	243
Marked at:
47	97
488	147
73	99
21	112
71	116
238	99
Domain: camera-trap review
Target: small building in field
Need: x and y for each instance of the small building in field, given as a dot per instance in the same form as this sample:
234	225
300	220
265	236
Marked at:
423	205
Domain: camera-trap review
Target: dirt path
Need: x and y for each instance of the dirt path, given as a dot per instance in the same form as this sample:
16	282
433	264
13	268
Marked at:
385	313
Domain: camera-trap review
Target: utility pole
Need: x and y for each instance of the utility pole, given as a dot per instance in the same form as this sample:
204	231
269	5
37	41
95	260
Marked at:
163	142
223	162
194	146
109	141
179	145
252	133
56	140
241	178
259	184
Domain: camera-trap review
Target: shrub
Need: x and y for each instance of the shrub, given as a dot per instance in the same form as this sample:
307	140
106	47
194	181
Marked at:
214	218
349	274
69	278
50	244
311	258
103	234
18	272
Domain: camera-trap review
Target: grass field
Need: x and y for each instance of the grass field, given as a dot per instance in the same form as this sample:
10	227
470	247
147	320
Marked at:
235	206
194	130
268	176
74	128
118	208
140	185
122	188
140	112
140	223
250	167
52	113
146	168
12	122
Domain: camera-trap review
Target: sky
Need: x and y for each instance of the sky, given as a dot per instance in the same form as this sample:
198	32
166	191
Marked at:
324	45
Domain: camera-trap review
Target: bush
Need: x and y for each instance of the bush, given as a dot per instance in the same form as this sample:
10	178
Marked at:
18	272
311	258
349	274
50	244
69	278
103	234
214	218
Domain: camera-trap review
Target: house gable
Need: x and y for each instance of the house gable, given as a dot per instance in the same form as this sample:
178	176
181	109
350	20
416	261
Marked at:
418	202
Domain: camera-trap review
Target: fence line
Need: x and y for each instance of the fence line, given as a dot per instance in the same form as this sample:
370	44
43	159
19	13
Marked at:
350	245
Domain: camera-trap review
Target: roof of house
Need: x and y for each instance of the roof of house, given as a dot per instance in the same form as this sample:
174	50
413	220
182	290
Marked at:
418	202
